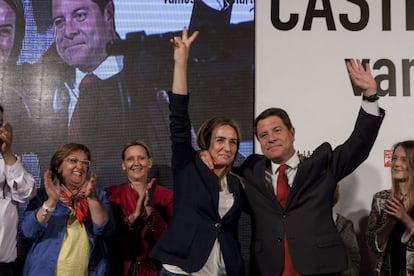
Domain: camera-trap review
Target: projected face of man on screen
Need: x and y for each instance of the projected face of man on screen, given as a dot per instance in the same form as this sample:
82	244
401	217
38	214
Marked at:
99	98
7	30
82	31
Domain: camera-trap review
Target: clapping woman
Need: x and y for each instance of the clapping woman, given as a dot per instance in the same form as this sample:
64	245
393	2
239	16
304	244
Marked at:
142	210
68	218
390	231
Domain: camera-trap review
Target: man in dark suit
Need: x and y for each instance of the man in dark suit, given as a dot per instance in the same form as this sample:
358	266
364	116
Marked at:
305	222
297	236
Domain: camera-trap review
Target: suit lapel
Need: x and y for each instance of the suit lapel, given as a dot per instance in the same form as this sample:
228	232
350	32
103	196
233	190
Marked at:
298	181
268	178
234	188
264	181
210	180
305	171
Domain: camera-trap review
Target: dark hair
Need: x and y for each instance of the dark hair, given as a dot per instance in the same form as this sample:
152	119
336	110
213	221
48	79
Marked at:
17	7
1	109
62	152
206	130
102	3
273	111
136	143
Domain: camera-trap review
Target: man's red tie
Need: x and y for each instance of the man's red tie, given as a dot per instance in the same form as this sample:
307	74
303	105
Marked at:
282	192
87	83
283	187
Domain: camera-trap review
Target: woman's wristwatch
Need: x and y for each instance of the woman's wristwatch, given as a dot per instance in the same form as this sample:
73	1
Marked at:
47	209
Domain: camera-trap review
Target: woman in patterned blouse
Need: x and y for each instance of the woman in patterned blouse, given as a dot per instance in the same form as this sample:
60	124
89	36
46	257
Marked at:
390	233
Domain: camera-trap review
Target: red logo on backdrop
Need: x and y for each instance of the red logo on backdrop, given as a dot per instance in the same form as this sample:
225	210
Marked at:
387	158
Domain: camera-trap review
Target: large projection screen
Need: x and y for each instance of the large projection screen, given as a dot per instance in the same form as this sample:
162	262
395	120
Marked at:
221	82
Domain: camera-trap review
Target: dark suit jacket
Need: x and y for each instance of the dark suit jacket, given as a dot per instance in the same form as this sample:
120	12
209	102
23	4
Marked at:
196	223
314	243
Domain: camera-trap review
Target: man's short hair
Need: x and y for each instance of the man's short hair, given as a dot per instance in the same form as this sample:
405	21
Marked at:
102	3
273	111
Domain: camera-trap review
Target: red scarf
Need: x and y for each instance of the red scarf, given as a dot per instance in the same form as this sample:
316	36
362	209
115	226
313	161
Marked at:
77	201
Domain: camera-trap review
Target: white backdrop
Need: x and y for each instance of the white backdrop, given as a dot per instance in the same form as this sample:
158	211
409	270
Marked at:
303	71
